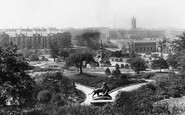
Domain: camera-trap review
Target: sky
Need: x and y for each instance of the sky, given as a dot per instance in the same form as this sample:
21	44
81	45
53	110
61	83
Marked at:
92	13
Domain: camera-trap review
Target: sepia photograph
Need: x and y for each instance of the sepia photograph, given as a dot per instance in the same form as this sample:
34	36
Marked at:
92	57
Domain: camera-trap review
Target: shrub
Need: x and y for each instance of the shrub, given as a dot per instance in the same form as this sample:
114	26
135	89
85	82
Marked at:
58	100
116	73
44	59
44	96
79	110
159	64
57	83
127	66
148	75
117	66
122	66
34	111
33	57
39	69
137	102
107	71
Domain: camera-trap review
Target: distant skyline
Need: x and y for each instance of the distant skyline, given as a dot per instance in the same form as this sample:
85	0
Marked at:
92	13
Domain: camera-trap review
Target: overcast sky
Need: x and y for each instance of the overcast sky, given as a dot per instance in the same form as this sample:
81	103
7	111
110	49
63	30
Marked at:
92	13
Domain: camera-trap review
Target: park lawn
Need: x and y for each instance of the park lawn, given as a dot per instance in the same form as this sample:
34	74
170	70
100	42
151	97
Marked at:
95	80
173	101
88	70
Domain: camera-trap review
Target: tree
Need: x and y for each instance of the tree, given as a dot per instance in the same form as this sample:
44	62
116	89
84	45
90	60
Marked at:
159	64
138	64
64	39
14	81
162	46
116	72
89	39
54	49
123	49
59	42
179	47
77	59
179	44
64	53
116	54
172	61
26	52
4	38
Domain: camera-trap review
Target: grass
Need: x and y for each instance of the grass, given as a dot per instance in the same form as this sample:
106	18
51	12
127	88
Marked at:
103	70
95	80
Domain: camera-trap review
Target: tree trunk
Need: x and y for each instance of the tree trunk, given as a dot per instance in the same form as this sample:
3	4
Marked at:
160	70
81	70
172	70
81	64
162	54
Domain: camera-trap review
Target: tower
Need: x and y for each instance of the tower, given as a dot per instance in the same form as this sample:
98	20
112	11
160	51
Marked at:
100	55
133	23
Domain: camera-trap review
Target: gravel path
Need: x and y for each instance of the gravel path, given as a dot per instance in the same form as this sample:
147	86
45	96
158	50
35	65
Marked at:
87	90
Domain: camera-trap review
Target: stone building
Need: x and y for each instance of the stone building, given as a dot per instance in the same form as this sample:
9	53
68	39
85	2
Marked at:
31	38
143	46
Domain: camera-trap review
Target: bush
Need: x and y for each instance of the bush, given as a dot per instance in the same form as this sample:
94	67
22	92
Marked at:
122	66
44	59
171	85
34	111
127	66
39	69
116	73
117	66
148	75
79	110
107	71
33	57
44	96
137	102
57	83
58	100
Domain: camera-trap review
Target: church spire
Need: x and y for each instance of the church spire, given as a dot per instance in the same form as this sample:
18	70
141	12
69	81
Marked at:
133	23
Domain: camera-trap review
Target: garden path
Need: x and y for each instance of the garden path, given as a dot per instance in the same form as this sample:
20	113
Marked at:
87	90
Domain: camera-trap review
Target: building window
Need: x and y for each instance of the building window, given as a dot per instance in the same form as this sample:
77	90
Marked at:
136	49
144	49
154	49
140	49
148	48
151	48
